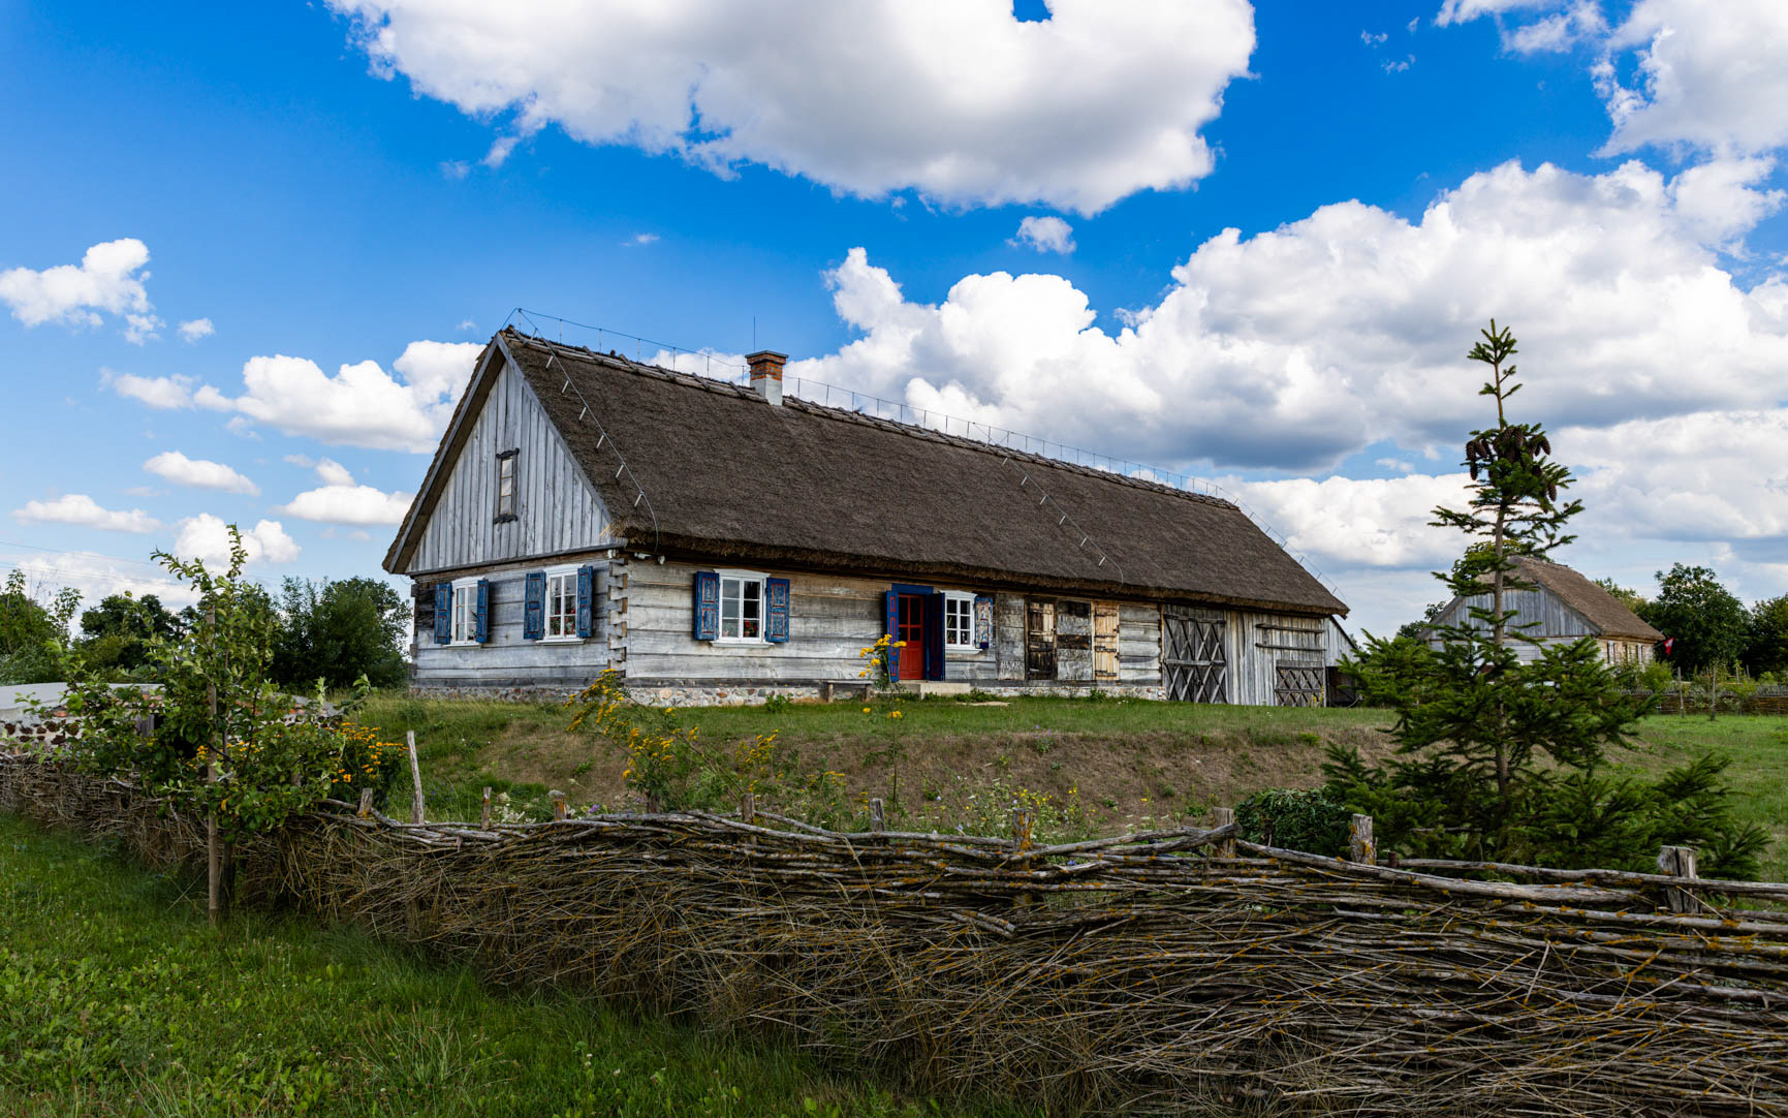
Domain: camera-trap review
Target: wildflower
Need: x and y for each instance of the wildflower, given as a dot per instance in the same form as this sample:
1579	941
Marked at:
865	710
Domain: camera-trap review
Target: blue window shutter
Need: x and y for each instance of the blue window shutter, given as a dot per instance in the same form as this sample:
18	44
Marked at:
933	628
443	612
482	633
776	627
891	618
983	622
586	601
534	607
707	606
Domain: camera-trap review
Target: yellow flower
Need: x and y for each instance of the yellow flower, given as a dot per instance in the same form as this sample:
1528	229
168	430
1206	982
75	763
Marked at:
865	710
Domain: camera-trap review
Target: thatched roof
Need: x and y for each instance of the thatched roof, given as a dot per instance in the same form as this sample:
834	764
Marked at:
726	476
1610	617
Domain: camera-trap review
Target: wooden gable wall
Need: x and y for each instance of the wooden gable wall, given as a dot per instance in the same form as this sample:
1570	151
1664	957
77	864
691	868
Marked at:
557	512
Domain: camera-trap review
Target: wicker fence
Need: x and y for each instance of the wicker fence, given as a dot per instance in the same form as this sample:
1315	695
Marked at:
1168	971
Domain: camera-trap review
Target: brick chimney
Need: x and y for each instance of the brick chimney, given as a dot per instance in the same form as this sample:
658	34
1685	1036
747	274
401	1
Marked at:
766	374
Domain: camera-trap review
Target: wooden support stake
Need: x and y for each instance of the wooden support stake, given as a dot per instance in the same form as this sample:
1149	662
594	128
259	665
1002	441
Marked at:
1360	846
877	821
558	799
1679	861
416	807
1022	822
366	803
1223	817
484	810
748	807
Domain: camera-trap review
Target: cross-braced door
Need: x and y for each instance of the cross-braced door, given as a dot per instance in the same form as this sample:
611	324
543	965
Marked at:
1300	685
1193	663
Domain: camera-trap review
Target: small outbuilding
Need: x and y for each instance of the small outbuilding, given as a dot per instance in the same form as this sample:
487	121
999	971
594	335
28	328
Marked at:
718	542
1561	606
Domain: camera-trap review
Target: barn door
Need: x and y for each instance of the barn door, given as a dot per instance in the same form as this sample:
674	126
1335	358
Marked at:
1039	639
1299	684
1105	641
1074	641
1193	665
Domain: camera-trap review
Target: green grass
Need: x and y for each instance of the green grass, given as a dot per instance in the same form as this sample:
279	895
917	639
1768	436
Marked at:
1758	775
117	998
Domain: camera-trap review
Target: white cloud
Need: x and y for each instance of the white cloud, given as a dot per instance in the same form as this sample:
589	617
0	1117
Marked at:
1397	464
958	100
196	329
157	392
109	278
1345	522
639	239
83	511
455	170
342	501
361	405
199	473
207	537
1296	347
1460	11
96	576
1045	234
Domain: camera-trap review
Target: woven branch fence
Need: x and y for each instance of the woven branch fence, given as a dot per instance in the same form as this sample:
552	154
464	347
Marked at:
1172	971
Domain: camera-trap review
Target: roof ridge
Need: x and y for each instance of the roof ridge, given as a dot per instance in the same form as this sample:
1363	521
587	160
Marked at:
622	363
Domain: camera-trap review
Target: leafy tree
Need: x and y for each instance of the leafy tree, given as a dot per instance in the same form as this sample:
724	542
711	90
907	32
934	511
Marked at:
338	631
33	631
1708	623
1501	756
223	741
1766	638
116	634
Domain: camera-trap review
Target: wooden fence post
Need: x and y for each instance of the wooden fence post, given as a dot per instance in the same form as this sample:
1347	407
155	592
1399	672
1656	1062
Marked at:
416	814
366	803
558	799
877	821
484	810
1360	846
747	807
1223	817
1678	861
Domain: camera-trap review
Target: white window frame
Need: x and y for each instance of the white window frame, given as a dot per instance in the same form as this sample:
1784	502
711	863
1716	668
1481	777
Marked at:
569	575
763	606
968	600
463	614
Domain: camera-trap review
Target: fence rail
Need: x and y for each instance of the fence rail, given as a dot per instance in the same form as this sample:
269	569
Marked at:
1156	971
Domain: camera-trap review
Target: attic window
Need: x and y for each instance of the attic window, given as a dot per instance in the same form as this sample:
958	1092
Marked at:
506	485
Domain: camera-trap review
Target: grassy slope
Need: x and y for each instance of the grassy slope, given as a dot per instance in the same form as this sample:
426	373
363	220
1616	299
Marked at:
1130	762
1125	762
118	999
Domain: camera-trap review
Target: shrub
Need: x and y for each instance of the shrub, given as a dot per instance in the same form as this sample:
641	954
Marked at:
1295	819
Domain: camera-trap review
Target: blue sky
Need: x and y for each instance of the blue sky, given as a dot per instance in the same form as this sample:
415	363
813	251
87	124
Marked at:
381	181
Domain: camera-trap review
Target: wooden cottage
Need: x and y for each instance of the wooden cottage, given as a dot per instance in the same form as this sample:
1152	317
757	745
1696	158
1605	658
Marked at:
1561	606
718	543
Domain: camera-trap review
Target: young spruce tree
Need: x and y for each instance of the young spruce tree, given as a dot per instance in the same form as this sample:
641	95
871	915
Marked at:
1485	734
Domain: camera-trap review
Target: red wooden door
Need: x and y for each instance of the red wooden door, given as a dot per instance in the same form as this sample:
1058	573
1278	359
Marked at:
911	629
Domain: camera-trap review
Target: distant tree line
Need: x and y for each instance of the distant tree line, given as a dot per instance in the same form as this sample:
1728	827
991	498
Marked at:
1709	626
332	630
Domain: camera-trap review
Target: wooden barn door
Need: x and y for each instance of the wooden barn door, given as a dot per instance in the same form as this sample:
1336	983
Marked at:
1074	641
1105	642
1299	684
1192	661
1039	639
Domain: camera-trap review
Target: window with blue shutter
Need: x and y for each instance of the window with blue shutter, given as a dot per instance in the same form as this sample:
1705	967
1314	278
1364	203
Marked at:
776	621
586	601
443	612
707	606
534	607
481	630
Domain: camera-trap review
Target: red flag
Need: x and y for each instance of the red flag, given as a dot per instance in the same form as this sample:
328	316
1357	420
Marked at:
1668	642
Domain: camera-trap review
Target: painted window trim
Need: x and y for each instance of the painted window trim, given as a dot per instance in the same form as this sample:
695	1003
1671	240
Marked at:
470	585
967	596
563	570
763	606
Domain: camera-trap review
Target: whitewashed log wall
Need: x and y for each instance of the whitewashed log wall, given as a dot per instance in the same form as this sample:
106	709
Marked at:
508	661
557	510
1255	644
